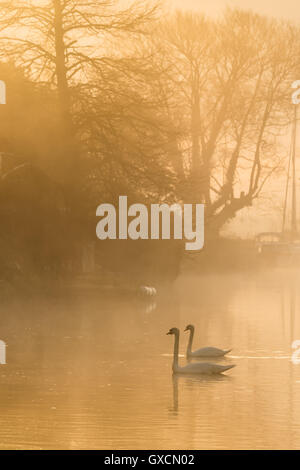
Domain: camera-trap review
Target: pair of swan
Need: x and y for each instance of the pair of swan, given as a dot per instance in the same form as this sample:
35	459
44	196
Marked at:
198	368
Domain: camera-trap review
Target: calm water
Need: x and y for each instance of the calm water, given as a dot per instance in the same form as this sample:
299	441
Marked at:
88	373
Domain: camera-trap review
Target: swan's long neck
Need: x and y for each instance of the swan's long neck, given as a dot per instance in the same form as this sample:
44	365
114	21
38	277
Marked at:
189	346
176	352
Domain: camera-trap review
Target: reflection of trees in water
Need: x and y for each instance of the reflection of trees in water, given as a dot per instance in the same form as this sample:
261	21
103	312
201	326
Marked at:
105	321
289	306
93	367
289	312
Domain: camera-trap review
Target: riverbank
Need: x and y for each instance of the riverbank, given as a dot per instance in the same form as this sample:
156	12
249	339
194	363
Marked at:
218	256
223	254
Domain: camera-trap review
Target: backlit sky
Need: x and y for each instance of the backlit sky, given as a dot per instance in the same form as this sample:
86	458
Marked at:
251	220
289	9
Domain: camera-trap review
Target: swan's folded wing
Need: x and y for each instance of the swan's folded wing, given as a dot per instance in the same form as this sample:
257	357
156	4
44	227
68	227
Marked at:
209	351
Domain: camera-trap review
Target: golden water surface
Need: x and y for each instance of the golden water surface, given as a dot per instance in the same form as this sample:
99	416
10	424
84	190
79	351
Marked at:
87	371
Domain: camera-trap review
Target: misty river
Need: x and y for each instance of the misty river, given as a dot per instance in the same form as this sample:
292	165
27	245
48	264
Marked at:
87	371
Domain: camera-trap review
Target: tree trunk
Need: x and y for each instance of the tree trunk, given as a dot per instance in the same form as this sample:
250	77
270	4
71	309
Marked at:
70	163
61	70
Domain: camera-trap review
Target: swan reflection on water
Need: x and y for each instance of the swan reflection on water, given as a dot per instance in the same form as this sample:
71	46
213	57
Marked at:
191	382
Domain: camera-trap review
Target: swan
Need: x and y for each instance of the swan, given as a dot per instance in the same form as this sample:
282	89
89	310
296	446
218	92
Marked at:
196	368
203	352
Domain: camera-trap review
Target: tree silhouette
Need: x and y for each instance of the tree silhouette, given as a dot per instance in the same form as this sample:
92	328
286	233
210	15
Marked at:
61	41
232	82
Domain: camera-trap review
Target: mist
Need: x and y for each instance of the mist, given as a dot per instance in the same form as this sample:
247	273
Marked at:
167	106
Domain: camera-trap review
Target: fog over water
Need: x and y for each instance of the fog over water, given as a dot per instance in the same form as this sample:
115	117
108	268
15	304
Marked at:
126	100
87	372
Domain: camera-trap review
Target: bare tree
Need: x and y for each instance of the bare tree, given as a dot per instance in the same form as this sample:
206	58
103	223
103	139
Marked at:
232	80
61	41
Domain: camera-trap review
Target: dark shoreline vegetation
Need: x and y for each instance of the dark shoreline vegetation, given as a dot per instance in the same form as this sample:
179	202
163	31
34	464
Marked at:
167	108
220	256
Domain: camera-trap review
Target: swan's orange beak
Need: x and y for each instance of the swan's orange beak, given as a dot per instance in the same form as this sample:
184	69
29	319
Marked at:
169	332
186	329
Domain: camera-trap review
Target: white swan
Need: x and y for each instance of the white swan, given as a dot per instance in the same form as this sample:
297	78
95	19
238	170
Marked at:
196	368
203	352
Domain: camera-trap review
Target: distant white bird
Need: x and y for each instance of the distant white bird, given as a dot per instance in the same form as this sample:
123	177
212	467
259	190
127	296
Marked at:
147	291
202	352
196	368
